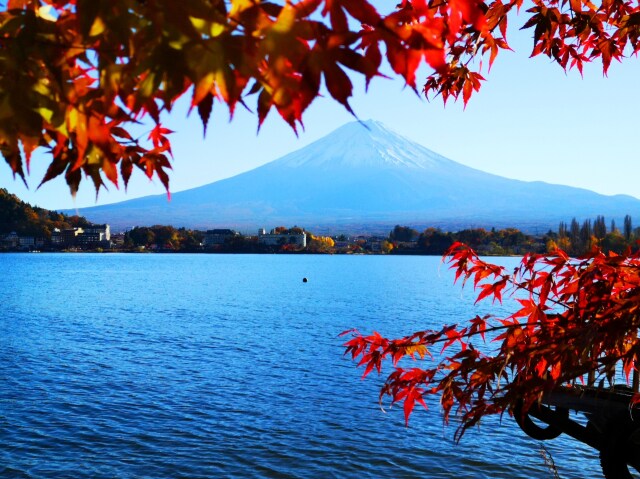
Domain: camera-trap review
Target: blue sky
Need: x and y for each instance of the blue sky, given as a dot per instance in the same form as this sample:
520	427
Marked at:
530	121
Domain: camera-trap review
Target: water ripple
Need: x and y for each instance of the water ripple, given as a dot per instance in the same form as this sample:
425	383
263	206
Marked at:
178	366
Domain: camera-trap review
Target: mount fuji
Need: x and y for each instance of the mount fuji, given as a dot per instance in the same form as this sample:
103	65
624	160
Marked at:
365	177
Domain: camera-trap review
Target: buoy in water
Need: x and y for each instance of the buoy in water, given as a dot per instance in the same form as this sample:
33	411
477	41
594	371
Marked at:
304	280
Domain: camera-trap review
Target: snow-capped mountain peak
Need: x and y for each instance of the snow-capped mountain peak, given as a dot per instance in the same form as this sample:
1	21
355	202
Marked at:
367	144
365	176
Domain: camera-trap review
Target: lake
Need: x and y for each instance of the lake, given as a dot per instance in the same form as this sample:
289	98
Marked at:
208	366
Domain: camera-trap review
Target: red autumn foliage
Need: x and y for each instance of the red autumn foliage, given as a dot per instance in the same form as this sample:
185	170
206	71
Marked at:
576	320
77	75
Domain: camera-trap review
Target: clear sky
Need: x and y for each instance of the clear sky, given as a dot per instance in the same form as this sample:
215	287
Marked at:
530	121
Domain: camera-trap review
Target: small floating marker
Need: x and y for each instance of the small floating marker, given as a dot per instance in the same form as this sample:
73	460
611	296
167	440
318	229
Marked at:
305	280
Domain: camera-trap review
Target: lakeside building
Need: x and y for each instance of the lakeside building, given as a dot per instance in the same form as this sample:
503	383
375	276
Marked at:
94	236
279	239
66	237
13	241
31	242
218	236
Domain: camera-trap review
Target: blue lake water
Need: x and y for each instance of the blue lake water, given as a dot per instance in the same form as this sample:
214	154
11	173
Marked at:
207	366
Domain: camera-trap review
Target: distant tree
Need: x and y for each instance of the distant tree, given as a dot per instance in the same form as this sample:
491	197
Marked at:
78	221
319	244
510	238
600	227
434	241
141	236
403	233
166	236
562	230
190	240
473	237
586	233
386	247
614	242
328	241
55	216
551	246
493	248
574	233
564	244
628	228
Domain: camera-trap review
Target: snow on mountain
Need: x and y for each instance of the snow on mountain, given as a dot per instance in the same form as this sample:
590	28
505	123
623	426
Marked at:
364	176
368	144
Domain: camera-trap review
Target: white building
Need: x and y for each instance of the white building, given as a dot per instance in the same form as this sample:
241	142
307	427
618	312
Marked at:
87	237
96	234
66	237
281	239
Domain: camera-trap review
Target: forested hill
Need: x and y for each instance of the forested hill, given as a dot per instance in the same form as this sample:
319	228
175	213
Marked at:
27	220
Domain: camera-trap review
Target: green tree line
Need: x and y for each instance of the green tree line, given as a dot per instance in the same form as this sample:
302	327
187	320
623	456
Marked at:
574	238
578	238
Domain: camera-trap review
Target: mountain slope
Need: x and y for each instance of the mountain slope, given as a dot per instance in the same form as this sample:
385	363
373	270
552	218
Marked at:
364	175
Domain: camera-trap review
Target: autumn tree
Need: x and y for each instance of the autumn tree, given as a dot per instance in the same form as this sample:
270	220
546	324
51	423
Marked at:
190	239
319	244
551	245
386	247
166	236
434	241
77	76
403	233
564	243
573	322
600	227
27	220
473	237
614	241
140	236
